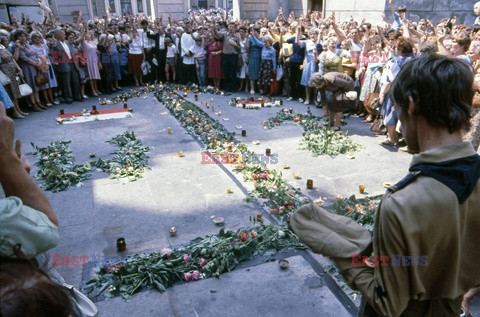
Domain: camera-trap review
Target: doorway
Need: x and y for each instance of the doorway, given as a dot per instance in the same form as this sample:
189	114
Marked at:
315	5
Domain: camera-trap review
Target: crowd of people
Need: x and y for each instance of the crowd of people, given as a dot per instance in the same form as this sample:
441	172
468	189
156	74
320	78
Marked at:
396	68
63	62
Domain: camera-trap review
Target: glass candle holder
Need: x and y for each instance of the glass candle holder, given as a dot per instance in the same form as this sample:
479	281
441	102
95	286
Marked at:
173	231
196	97
244	132
121	244
62	111
259	216
361	189
309	184
94	108
268	152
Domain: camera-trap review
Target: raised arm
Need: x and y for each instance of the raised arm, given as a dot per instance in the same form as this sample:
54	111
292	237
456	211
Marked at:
14	171
340	34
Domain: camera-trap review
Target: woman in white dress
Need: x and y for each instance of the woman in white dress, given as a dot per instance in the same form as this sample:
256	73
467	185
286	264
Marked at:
244	49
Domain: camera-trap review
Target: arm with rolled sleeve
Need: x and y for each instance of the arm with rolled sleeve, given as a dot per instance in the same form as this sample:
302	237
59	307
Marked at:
385	288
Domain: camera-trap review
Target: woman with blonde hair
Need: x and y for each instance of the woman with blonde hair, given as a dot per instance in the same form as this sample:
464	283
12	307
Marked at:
90	50
312	49
268	63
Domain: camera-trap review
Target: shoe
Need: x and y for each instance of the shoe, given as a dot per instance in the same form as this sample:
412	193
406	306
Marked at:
85	97
252	92
24	113
336	128
49	104
306	102
56	102
300	100
18	116
388	142
289	99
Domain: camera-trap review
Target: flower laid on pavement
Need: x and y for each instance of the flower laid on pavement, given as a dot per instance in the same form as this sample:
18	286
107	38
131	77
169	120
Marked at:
200	258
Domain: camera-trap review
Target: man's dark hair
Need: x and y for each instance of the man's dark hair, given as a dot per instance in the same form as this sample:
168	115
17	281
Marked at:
402	8
441	87
18	33
27	291
144	22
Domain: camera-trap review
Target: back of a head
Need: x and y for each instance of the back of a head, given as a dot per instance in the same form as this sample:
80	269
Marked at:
26	291
441	88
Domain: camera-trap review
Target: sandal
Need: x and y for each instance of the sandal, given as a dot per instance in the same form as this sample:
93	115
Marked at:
388	142
336	128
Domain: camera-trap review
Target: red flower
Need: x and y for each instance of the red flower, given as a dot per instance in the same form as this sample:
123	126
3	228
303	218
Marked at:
243	236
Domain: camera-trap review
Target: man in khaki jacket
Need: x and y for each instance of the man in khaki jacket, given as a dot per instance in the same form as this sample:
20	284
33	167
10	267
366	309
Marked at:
427	226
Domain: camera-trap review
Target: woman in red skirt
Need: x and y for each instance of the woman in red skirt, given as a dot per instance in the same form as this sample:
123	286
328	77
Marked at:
135	57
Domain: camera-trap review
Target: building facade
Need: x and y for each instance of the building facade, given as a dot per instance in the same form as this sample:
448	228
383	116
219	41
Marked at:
371	10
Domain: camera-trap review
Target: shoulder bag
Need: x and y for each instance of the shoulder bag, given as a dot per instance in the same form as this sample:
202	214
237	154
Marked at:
25	89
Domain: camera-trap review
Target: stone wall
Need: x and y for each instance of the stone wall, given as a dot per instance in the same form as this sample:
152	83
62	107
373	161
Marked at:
372	10
177	8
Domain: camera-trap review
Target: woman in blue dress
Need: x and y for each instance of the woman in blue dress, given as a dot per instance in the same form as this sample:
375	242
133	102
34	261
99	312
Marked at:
116	63
403	55
312	49
256	45
7	102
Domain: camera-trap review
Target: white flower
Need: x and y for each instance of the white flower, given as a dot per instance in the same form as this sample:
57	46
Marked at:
281	234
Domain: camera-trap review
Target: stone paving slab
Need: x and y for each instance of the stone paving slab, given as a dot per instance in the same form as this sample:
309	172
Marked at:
297	291
184	192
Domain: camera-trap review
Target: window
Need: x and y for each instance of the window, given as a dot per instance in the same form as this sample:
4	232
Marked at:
126	7
94	8
202	4
111	4
139	6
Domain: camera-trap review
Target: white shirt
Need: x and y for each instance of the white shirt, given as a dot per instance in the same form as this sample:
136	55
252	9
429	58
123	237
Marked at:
161	41
171	51
135	46
147	43
187	42
67	49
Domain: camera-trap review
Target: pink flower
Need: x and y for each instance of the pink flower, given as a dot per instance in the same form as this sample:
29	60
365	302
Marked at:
187	276
280	210
186	258
203	262
262	175
195	275
166	251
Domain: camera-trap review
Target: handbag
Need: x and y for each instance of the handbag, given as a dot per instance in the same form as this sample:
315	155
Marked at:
274	87
341	103
371	103
81	304
378	127
239	61
41	79
279	72
25	89
146	68
4	79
